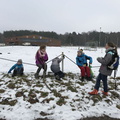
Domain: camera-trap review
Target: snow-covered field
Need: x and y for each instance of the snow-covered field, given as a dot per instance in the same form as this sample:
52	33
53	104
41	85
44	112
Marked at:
77	103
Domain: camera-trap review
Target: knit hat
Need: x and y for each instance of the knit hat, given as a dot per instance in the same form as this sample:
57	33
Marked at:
20	60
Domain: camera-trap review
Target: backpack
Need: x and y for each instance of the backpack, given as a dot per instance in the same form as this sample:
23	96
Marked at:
114	63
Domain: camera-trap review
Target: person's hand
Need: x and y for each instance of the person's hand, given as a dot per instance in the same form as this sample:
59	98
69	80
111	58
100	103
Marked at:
9	72
90	64
99	58
63	56
84	65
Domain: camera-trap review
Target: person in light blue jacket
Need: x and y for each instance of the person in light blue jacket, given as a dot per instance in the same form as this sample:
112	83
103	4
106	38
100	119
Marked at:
81	61
18	68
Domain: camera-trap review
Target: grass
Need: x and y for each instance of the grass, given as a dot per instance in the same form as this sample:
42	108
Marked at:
2	90
44	94
11	85
61	102
65	92
7	101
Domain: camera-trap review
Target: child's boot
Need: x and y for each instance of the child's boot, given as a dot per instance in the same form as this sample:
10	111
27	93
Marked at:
36	76
89	78
57	77
94	92
82	78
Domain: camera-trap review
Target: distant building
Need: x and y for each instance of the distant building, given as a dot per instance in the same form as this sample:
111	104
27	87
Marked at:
34	40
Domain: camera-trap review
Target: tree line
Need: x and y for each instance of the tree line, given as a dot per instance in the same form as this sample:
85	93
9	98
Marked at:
67	39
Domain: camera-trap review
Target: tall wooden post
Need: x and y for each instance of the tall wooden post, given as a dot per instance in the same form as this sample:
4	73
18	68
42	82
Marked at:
62	62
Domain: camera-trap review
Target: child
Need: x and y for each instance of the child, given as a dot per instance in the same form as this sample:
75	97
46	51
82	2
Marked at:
55	68
18	68
104	71
41	57
81	61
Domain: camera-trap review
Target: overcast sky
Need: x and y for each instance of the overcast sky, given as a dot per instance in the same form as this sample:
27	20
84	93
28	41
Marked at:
60	15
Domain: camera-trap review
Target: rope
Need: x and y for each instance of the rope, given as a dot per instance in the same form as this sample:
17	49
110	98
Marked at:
16	61
46	62
25	62
53	58
76	64
71	60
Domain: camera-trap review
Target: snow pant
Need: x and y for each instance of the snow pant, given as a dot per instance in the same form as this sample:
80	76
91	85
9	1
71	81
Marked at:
85	71
18	71
60	74
44	67
104	79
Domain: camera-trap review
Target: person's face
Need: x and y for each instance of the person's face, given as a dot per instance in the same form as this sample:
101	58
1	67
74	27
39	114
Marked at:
107	46
79	53
43	50
19	63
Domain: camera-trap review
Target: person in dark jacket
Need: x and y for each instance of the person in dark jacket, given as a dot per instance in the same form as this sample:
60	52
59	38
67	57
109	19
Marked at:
81	61
18	69
55	67
104	72
41	58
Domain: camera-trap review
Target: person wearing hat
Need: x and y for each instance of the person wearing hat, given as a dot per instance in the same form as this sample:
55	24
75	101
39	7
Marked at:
81	61
18	68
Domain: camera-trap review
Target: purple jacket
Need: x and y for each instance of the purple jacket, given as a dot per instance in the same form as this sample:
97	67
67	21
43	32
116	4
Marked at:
41	60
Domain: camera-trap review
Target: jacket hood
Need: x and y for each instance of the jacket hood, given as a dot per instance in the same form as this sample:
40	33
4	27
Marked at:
111	48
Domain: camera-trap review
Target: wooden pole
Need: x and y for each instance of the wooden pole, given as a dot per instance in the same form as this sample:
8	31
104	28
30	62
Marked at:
62	63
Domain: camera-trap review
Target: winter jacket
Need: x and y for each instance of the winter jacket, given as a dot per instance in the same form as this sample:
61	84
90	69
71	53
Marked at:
105	61
82	60
41	59
16	66
55	67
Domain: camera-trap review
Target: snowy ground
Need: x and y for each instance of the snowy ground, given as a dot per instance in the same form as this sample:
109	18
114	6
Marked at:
35	100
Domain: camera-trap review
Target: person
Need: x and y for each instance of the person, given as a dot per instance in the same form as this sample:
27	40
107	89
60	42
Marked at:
81	61
55	67
18	69
41	58
104	72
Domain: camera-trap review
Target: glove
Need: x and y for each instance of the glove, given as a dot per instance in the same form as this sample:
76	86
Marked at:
99	58
9	72
63	56
90	64
84	65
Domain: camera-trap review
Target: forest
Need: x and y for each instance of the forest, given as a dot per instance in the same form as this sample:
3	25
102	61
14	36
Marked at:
69	39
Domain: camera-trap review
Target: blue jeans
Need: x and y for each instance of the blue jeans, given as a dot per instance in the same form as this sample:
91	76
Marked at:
104	79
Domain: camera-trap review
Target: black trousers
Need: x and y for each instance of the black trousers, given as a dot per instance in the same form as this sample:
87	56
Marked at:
44	67
18	71
60	74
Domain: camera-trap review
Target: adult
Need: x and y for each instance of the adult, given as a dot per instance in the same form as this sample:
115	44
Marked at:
104	71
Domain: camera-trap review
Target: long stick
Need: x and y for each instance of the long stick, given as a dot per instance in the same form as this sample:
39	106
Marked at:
62	63
115	72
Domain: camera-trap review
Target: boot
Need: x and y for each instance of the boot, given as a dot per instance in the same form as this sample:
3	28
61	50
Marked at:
82	78
89	78
36	76
94	92
44	74
57	77
105	93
